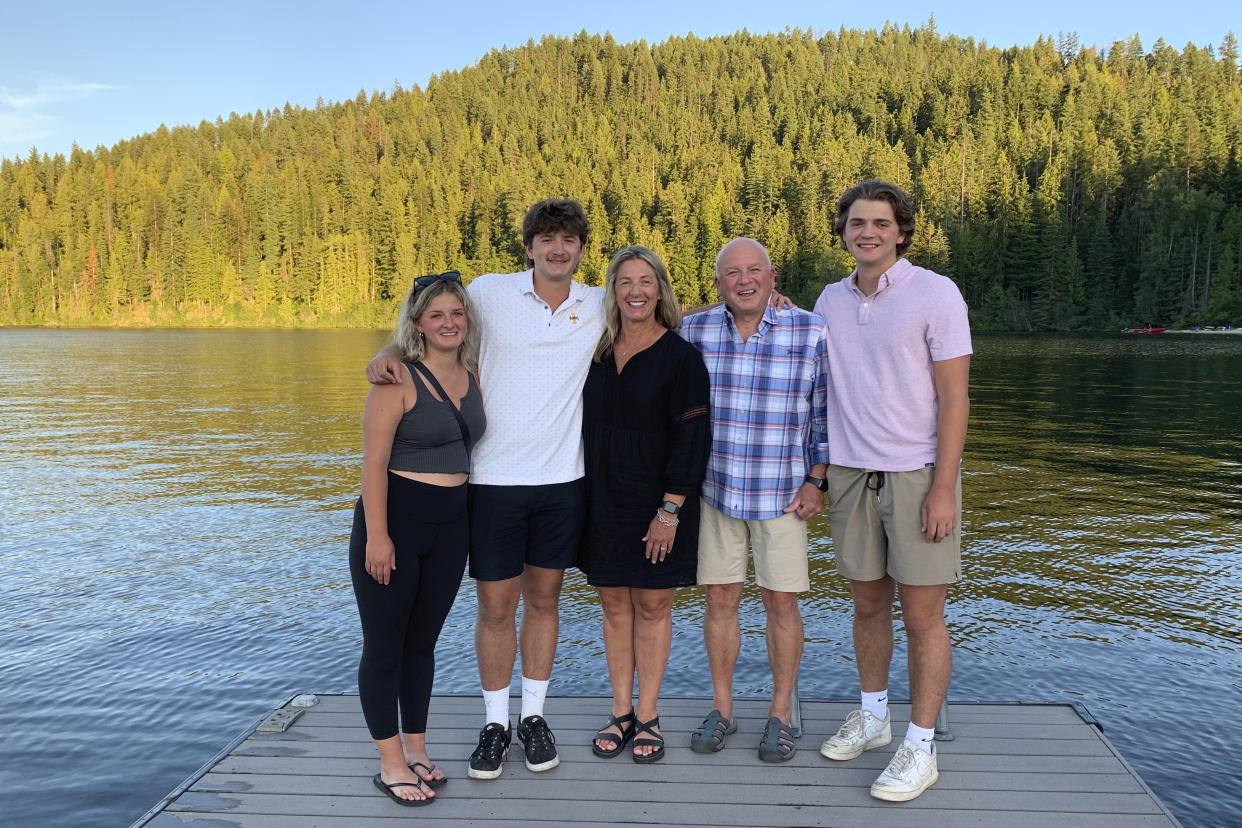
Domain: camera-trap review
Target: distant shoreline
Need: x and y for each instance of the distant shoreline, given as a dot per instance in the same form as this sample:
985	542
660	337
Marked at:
233	326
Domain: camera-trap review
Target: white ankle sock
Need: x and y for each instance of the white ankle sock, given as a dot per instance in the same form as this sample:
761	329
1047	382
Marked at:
534	692
921	736
496	703
876	703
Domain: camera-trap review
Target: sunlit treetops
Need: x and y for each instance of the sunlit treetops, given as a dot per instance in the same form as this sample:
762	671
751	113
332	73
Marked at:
1062	187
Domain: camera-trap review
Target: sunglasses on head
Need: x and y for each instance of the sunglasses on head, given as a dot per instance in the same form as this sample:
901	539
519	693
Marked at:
446	276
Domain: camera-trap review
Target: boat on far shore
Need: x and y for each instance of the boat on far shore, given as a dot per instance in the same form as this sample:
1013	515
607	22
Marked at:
1193	329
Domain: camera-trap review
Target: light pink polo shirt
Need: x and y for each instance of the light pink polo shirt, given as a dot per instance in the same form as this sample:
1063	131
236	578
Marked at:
881	389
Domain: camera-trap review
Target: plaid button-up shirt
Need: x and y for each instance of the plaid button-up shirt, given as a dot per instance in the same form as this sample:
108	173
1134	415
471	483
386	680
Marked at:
769	408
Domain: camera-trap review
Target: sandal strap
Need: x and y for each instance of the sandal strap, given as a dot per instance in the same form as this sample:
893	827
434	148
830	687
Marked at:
620	723
783	731
420	784
649	727
715	727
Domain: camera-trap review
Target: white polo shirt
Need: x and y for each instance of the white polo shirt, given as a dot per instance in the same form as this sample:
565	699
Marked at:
532	366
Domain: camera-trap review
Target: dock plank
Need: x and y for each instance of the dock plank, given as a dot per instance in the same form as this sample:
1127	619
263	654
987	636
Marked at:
696	804
849	777
838	818
873	761
1009	766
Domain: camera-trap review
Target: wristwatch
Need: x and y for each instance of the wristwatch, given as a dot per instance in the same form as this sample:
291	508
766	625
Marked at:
818	482
670	507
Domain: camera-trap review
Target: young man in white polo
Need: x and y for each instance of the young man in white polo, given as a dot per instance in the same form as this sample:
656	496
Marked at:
898	354
539	332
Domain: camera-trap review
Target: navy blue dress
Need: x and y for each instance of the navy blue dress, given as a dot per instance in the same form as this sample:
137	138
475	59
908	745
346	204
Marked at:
646	431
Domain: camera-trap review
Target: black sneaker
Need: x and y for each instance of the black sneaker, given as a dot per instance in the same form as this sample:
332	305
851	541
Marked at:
536	737
488	758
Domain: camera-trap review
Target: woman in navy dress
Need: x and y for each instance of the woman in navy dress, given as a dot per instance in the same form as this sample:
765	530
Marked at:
646	434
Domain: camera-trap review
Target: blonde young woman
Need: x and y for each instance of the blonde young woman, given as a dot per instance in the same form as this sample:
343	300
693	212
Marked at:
410	536
646	437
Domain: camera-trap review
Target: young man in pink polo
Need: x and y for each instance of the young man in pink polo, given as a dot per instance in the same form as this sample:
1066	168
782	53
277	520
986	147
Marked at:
898	354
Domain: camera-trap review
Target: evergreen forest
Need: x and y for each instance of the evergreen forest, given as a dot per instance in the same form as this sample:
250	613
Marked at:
1062	187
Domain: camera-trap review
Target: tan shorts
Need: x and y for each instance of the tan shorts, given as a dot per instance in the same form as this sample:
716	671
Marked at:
875	533
779	545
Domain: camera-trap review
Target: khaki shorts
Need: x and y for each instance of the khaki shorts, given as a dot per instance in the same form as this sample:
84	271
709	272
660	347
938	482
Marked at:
779	545
875	533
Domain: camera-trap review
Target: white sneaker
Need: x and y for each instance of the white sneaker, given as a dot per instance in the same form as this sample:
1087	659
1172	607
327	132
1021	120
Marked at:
911	772
861	731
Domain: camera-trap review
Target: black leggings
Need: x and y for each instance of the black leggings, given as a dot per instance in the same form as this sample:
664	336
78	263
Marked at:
401	621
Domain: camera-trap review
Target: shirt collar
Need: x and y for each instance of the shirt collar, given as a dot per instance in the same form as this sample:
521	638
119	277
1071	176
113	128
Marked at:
895	275
770	317
526	283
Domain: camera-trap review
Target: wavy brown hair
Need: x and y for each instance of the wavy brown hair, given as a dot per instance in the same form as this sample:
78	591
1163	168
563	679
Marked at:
903	208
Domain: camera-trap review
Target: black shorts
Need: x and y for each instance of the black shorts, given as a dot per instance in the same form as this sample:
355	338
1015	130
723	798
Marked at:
513	526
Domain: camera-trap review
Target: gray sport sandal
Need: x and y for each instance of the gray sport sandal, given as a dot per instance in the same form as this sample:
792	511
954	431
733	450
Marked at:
777	744
710	737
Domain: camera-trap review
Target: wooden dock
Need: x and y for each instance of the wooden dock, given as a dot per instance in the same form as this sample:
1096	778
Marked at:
1009	765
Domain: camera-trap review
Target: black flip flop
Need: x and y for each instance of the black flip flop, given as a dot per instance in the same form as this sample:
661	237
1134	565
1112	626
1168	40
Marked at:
388	789
430	783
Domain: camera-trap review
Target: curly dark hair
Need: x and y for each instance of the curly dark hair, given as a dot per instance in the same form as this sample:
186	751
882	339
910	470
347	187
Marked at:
553	214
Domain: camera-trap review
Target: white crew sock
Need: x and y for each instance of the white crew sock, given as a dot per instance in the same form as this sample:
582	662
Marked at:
876	703
921	736
496	703
534	692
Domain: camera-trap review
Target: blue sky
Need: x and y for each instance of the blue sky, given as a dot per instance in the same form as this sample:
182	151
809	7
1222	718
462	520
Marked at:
96	73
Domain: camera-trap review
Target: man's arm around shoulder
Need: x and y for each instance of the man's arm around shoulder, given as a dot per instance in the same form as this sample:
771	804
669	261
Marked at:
386	368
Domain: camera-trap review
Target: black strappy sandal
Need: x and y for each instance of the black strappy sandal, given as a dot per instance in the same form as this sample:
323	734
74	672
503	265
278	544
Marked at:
619	742
658	742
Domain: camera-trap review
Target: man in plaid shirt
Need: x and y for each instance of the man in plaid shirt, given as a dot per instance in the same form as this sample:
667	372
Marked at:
764	478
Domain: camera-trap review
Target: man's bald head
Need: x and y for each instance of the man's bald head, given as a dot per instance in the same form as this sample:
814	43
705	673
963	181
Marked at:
741	240
745	279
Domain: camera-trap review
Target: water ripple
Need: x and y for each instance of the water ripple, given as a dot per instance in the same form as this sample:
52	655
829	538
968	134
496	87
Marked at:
176	508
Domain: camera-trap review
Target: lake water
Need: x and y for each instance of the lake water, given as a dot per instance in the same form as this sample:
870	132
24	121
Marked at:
175	510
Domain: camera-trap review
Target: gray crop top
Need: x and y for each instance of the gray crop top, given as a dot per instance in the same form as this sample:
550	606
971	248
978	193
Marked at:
428	438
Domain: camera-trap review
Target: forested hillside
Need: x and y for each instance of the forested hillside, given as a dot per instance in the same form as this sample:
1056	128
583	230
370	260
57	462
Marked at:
1061	187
